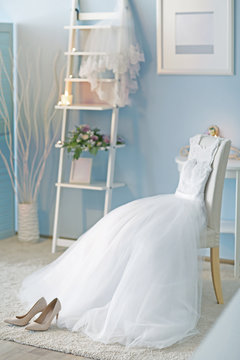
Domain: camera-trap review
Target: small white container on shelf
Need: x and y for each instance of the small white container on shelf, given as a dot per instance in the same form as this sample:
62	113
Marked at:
81	171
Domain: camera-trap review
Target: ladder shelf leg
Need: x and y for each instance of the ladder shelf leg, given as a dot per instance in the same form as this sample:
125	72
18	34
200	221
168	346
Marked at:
68	87
60	170
111	160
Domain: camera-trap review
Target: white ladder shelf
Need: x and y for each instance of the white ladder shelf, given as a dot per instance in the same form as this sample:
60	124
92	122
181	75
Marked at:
109	185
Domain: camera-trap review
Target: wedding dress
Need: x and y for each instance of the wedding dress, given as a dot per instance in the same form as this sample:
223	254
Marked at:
133	278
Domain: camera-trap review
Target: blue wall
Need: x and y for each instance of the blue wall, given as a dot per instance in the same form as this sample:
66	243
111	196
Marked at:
166	111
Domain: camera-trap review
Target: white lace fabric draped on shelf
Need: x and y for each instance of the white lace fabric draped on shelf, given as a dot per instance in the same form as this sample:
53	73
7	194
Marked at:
118	55
133	278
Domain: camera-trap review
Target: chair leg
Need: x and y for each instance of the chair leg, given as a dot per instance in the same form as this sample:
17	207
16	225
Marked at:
215	268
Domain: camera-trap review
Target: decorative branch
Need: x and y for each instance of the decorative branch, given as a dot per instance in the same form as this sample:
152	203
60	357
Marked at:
36	126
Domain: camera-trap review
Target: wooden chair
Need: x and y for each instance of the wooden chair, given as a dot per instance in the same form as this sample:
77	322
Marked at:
213	200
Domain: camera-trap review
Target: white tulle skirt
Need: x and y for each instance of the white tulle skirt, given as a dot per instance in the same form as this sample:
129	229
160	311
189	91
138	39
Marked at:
133	278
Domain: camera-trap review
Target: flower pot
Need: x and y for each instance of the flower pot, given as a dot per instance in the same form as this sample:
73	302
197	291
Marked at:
28	228
81	171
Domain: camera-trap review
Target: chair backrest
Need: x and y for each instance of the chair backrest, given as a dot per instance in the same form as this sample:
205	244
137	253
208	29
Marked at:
214	186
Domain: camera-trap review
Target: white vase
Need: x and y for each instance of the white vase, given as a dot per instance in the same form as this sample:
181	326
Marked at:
28	228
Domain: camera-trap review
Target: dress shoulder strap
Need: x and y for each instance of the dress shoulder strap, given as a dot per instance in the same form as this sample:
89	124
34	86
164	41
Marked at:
195	139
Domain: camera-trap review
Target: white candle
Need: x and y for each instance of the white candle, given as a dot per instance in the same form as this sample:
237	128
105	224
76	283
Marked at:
66	99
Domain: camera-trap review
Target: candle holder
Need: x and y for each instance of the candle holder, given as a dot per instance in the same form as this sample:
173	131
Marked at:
66	99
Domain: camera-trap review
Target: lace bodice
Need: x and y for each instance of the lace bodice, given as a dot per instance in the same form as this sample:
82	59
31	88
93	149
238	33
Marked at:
196	170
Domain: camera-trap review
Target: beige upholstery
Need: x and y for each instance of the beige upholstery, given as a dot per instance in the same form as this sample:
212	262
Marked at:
213	201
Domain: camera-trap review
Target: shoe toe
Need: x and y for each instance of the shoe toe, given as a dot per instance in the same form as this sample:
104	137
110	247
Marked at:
15	321
34	327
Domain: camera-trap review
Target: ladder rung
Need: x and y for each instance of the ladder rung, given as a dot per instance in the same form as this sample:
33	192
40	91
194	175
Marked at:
97	16
96	107
59	146
87	80
88	27
99	186
85	53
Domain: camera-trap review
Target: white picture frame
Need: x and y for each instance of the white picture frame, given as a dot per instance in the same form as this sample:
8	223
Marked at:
183	49
81	171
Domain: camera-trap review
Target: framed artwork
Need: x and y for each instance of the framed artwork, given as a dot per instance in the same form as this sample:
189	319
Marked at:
81	171
195	37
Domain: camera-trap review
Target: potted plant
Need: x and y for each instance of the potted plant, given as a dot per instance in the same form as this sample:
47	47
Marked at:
82	139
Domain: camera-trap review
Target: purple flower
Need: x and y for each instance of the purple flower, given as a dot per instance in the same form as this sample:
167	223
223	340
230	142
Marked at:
94	138
85	128
106	139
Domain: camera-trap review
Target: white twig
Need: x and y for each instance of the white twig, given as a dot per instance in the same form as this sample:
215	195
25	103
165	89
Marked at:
36	127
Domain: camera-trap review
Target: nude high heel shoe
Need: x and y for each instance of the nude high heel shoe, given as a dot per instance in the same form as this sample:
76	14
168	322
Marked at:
23	320
44	321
